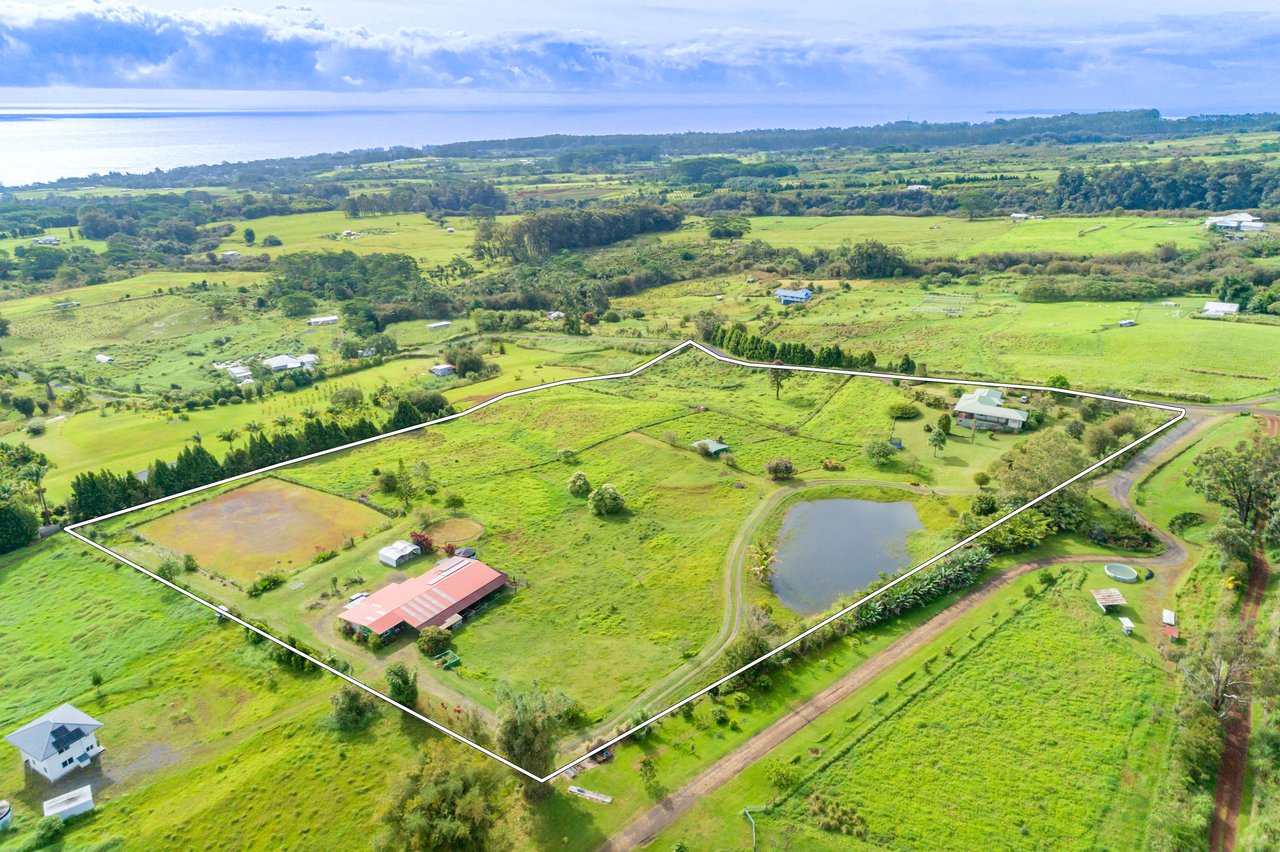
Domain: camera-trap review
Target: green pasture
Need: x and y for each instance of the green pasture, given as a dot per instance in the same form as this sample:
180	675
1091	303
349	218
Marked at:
947	236
128	440
590	591
1165	494
1038	690
995	336
409	233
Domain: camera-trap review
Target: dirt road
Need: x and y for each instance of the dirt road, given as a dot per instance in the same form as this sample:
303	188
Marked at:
1239	725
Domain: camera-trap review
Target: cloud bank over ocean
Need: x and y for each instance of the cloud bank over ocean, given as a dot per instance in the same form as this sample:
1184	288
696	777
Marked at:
1171	61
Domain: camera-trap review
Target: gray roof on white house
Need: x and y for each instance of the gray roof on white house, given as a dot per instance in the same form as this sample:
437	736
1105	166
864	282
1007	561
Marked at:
987	402
62	726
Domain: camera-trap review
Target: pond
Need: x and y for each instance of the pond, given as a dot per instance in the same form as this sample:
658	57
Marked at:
830	548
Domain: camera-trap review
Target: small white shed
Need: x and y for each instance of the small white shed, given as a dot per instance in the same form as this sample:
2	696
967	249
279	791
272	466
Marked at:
70	804
398	553
1126	625
1167	617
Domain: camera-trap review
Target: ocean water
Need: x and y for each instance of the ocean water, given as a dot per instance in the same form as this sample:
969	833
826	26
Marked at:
39	144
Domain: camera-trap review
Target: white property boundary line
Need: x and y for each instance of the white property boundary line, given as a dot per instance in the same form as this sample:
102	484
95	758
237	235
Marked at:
73	529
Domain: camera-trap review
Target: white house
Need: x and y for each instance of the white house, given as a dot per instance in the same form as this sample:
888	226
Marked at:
443	370
240	374
984	409
46	241
1220	309
398	553
279	363
58	742
366	353
103	359
556	315
70	804
791	297
329	320
1235	222
309	360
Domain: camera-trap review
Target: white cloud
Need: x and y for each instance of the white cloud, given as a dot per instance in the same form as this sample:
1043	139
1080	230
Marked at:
104	44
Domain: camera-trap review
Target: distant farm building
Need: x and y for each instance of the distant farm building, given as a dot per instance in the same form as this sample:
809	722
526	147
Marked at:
1127	323
556	315
62	306
46	241
435	326
710	447
230	256
240	374
332	319
103	359
366	353
1220	309
792	297
398	553
280	363
984	409
442	370
1235	222
917	187
58	742
431	600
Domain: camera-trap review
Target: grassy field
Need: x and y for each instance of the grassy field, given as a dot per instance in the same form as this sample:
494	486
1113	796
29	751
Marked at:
127	440
1036	690
993	335
590	592
936	236
410	233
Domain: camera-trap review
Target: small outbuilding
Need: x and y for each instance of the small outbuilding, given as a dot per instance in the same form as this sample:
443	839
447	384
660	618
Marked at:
103	359
60	741
398	553
709	447
1127	323
555	315
1126	625
1220	309
436	326
1167	617
332	319
70	804
309	360
240	374
466	552
442	370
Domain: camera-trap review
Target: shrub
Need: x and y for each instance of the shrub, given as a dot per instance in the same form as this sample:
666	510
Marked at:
981	479
983	505
719	715
781	774
265	583
271	241
579	485
376	642
780	468
351	709
903	411
434	640
878	453
832	464
423	541
1184	521
402	684
48	829
606	500
453	502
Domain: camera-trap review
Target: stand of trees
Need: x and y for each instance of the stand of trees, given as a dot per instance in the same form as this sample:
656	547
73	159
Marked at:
537	235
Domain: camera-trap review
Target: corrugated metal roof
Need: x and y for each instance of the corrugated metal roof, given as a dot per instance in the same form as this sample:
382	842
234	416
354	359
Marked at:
453	585
62	726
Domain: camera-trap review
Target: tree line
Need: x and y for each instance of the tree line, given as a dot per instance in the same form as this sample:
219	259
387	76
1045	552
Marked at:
537	235
101	492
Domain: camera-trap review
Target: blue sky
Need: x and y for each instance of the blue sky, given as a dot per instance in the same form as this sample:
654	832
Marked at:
1176	55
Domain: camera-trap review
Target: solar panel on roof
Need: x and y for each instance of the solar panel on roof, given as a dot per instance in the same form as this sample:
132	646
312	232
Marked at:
62	736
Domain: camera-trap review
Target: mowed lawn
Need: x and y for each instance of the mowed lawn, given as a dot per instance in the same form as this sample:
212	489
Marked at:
263	525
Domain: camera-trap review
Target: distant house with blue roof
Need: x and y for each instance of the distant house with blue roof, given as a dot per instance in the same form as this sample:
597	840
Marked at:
792	297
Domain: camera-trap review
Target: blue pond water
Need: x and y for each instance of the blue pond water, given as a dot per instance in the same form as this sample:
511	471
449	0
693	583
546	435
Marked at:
829	548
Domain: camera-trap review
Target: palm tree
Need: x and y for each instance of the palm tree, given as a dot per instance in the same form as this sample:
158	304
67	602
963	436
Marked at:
283	420
310	413
253	427
228	435
197	438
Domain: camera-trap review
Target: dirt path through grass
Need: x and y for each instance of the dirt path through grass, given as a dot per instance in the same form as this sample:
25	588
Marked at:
1239	725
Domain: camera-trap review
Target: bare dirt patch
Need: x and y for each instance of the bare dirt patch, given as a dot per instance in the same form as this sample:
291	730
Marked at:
266	524
454	531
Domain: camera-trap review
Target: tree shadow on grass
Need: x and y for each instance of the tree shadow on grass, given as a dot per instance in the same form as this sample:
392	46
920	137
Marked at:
563	819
